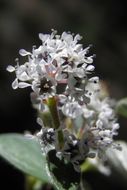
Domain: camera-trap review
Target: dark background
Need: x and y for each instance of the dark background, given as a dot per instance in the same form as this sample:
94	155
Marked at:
101	23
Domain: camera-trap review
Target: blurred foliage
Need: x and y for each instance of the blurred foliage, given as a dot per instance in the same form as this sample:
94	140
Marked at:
121	107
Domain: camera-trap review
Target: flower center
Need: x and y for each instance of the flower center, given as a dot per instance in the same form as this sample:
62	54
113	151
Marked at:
45	85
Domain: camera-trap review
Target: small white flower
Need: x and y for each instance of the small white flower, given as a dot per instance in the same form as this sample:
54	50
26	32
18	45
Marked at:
72	109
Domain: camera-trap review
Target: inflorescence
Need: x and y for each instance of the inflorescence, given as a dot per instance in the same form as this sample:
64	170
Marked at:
76	120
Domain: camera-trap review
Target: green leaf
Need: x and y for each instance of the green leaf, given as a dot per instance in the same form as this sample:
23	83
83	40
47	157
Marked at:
118	160
26	155
121	107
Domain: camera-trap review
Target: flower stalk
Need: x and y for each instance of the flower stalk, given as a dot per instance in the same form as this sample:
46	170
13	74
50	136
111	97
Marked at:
52	105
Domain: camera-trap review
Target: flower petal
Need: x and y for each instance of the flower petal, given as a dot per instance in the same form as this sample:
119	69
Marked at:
24	76
15	84
90	68
10	68
23	85
23	52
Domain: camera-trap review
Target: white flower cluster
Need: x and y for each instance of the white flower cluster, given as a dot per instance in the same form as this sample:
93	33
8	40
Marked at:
61	68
